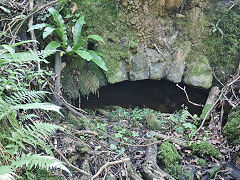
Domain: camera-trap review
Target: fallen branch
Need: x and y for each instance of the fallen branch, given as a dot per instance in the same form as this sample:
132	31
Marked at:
83	132
107	165
184	90
68	163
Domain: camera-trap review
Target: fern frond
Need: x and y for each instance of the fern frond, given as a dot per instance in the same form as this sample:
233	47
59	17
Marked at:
22	57
39	161
26	96
6	173
34	135
28	117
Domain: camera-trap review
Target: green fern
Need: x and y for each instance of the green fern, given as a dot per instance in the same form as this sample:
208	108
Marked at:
38	161
15	102
6	173
31	161
34	135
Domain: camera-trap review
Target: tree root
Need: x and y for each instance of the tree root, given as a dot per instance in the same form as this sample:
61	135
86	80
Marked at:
149	169
107	165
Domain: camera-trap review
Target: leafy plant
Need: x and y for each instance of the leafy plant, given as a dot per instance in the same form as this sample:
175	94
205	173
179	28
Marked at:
79	42
33	135
215	28
16	102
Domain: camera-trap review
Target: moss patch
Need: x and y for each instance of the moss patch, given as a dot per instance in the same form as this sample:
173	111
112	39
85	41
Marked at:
204	148
232	128
170	157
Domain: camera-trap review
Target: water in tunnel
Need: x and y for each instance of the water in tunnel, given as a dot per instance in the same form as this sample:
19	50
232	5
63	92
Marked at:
162	95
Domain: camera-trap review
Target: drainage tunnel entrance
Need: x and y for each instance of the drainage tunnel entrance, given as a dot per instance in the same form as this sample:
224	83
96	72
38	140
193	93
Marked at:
163	96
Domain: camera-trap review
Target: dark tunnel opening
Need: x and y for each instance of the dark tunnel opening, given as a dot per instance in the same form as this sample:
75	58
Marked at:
163	96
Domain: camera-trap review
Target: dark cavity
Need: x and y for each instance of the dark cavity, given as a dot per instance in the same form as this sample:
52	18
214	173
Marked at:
162	96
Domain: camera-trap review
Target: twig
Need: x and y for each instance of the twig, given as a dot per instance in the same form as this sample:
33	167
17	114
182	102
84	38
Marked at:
107	165
217	78
33	37
184	90
83	132
68	163
158	50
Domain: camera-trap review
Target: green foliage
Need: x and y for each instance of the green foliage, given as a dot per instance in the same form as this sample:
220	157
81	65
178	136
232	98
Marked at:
136	115
31	161
42	174
33	135
231	129
179	121
224	50
76	122
215	28
17	68
16	104
204	148
79	42
170	157
24	100
202	162
152	122
106	19
168	154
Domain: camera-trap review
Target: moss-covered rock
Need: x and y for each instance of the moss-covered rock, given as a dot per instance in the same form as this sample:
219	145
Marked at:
232	128
170	157
168	154
204	148
199	73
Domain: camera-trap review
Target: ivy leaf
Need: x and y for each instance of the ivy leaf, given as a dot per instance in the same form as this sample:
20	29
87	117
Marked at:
96	38
77	30
98	60
38	26
47	31
84	54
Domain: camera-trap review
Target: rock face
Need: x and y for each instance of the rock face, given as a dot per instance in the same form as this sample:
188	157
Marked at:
120	74
158	70
176	70
199	74
139	67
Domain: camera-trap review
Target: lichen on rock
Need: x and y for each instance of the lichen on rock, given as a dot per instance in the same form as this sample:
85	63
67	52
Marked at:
199	73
